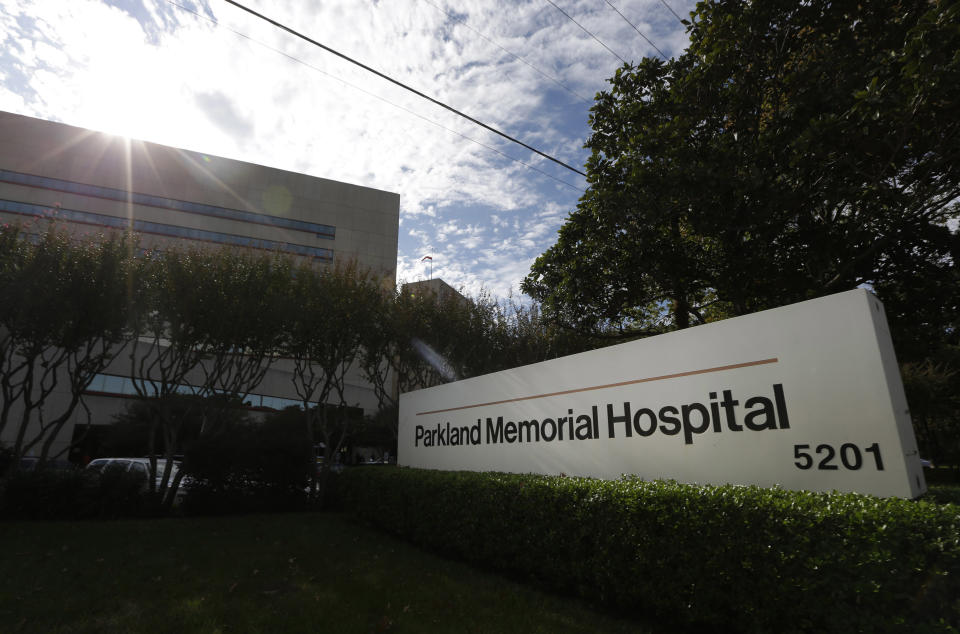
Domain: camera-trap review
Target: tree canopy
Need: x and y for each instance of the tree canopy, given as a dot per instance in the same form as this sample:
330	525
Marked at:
63	317
793	150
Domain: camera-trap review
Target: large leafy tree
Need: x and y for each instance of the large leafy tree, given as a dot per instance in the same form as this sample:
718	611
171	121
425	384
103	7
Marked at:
165	352
242	332
205	323
329	312
794	150
63	319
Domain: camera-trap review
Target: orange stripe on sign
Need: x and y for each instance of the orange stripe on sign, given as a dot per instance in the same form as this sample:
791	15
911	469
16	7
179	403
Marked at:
719	368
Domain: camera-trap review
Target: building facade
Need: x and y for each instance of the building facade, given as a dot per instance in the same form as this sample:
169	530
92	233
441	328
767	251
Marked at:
91	181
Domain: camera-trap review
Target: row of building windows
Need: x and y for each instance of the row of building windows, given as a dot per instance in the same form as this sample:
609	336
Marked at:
56	184
156	228
123	386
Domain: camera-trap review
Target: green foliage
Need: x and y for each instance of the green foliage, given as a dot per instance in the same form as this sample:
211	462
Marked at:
208	318
60	291
216	320
793	150
45	494
330	312
63	319
211	312
129	435
943	493
118	493
470	336
933	392
240	328
743	558
49	494
251	467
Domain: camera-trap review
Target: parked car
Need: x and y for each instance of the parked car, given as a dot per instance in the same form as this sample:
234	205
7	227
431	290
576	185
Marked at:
141	468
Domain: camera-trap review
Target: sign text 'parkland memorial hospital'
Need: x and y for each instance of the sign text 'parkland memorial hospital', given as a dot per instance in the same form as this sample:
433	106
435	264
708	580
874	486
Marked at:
807	396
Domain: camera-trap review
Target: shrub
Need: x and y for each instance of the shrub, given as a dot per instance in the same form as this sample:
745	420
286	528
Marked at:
746	558
72	494
943	493
46	494
253	467
118	493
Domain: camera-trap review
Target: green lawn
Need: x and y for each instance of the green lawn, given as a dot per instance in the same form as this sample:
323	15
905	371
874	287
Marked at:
943	493
278	573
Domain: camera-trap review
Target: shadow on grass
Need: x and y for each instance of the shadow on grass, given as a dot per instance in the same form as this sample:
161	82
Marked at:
277	573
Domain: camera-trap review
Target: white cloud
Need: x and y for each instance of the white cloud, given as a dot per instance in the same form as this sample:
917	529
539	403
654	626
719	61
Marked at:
168	76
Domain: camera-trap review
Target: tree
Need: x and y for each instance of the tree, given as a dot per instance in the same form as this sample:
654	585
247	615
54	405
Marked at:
381	349
165	354
241	331
418	363
419	339
206	323
793	150
63	319
330	310
257	466
131	428
472	334
534	338
933	391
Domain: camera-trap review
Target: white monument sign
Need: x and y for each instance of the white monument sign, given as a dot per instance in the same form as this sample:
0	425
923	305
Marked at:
807	396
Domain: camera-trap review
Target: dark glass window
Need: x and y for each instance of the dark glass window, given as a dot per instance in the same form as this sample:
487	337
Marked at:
120	385
156	228
56	184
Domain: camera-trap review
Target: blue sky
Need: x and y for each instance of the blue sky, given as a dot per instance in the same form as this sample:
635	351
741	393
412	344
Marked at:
155	71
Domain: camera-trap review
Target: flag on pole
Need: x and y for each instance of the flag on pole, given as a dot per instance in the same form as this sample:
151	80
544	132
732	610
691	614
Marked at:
426	257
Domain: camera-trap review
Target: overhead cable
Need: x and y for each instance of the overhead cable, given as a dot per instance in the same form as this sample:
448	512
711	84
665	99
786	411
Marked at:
402	85
636	29
514	55
582	28
374	95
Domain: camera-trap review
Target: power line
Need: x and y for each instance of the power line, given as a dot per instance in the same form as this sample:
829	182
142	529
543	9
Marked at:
583	28
374	95
402	85
636	29
664	2
515	56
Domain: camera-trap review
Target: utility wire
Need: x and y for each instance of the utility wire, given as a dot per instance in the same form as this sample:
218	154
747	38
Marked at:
636	29
402	85
583	28
374	95
515	56
664	2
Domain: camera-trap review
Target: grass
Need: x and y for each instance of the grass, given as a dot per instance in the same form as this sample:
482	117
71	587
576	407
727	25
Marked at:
266	573
943	493
276	573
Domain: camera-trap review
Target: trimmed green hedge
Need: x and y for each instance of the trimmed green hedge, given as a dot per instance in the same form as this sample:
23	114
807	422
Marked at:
731	557
72	494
